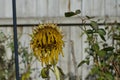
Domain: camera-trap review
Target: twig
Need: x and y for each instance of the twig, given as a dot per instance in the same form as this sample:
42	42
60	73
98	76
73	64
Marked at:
116	69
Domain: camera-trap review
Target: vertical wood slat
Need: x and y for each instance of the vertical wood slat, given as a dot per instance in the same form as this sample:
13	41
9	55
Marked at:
65	62
26	8
76	51
42	8
110	8
84	68
2	8
76	5
53	8
63	7
30	8
20	8
98	8
8	8
93	7
87	7
118	8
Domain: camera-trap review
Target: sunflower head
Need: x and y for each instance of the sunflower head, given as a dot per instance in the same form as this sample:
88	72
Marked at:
47	43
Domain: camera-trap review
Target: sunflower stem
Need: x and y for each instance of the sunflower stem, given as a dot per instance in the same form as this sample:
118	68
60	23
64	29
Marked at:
56	72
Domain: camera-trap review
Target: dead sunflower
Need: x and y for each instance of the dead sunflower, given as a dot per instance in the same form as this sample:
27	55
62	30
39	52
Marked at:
47	43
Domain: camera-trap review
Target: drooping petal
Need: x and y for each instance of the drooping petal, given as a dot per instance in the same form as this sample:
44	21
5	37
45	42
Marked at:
47	43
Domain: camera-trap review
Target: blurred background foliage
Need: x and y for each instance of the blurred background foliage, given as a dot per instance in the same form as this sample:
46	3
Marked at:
7	63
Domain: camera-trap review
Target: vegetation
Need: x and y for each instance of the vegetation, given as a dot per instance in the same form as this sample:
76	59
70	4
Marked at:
103	49
7	63
47	45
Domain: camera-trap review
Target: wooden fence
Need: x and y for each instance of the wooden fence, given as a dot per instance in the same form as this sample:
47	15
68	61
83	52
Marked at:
52	11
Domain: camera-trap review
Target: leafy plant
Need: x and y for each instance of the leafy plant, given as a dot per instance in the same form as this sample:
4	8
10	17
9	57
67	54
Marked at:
47	43
7	66
103	50
105	55
69	14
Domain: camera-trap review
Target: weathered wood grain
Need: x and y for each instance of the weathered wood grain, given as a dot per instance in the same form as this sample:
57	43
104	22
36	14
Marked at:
2	8
110	8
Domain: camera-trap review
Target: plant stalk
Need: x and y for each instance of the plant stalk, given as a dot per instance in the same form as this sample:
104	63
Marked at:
56	72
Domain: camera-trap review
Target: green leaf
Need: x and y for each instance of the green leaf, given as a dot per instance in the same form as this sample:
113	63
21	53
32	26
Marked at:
108	49
116	37
102	37
77	11
87	62
94	70
101	53
60	70
96	47
89	31
101	32
56	72
69	14
62	75
2	50
106	27
82	62
94	25
88	17
118	26
45	72
26	75
109	76
2	37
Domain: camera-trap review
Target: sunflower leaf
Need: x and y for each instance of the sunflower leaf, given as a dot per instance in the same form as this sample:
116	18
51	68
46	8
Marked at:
45	72
69	14
77	11
94	25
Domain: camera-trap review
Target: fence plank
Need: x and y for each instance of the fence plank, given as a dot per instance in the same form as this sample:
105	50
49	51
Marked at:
63	7
65	62
42	8
87	7
76	5
53	8
2	8
98	8
76	51
30	8
8	8
93	7
20	8
118	8
110	8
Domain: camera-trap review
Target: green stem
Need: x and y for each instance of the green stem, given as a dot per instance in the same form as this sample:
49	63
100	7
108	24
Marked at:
56	72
